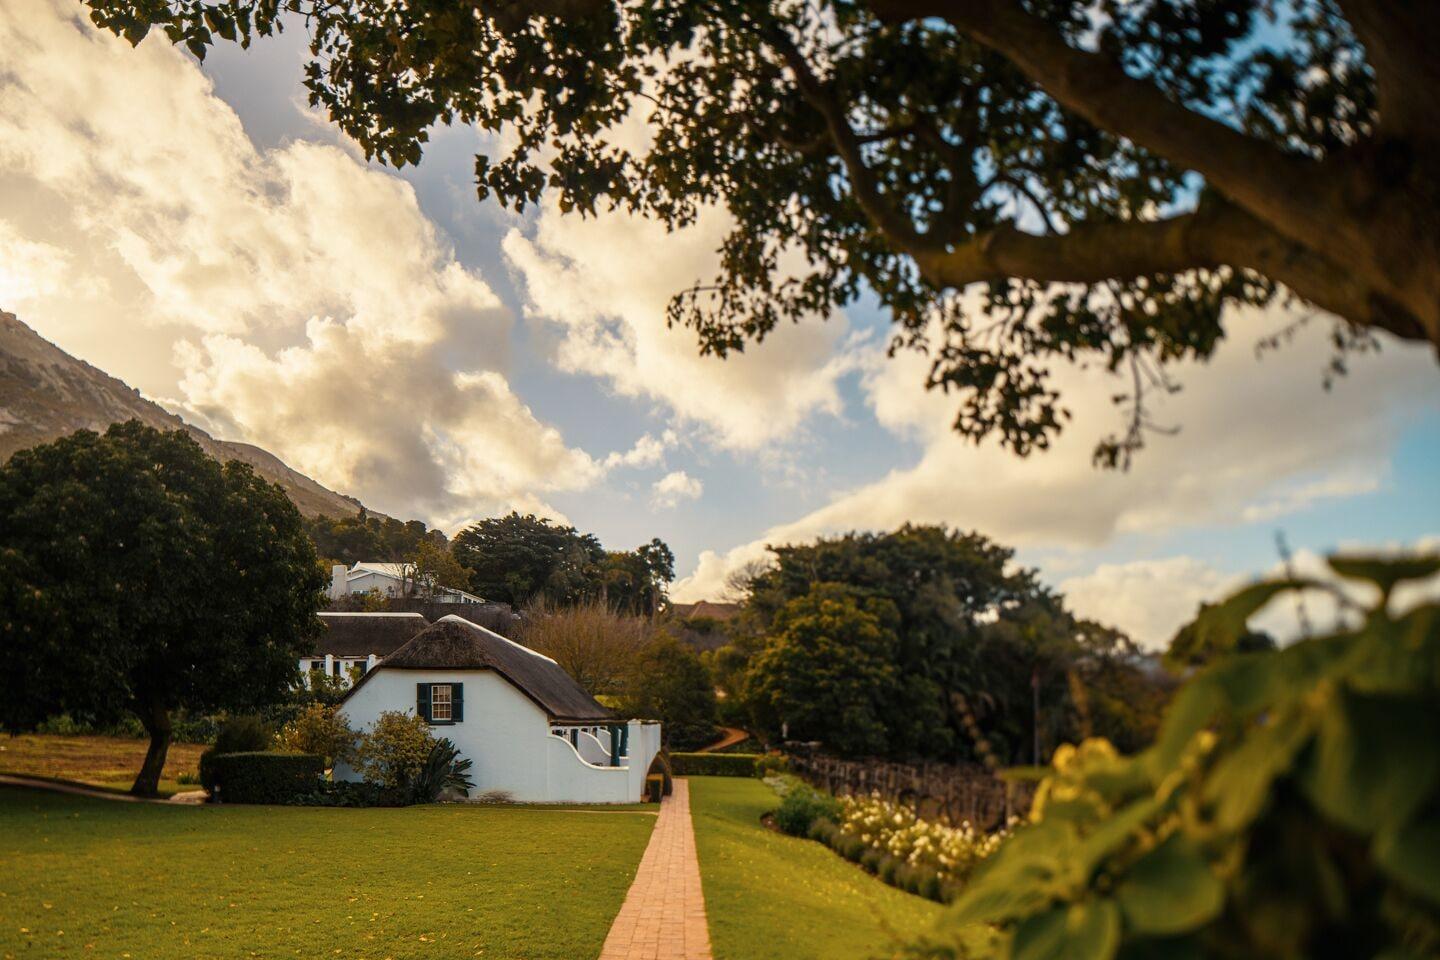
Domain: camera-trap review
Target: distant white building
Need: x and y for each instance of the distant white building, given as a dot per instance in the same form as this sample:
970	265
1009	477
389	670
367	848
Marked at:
352	643
394	580
530	730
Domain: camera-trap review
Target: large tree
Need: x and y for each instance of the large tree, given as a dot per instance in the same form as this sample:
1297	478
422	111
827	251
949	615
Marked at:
1020	181
514	559
829	672
140	576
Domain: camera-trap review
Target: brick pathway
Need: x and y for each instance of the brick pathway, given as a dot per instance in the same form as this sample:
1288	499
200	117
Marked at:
663	917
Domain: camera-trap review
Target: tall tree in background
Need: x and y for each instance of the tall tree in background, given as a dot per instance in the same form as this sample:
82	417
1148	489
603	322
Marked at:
1019	181
830	672
140	576
598	646
966	621
672	685
514	559
637	580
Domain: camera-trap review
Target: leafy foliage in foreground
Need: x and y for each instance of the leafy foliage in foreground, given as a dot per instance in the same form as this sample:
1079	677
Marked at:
1289	808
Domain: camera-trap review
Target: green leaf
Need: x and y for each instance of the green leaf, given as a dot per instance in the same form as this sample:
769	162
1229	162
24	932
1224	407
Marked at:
1374	762
1218	627
1384	572
1170	890
1081	931
1411	855
1112	835
1240	783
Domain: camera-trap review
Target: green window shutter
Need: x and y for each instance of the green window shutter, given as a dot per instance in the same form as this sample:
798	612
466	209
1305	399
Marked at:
422	701
457	702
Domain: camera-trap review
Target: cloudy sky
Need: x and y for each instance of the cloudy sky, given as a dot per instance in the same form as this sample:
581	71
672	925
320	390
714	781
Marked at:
199	233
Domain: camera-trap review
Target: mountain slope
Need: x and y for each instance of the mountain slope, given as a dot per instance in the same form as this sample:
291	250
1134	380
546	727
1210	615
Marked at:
45	393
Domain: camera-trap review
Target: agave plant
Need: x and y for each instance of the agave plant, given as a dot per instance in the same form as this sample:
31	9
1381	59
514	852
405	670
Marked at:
442	770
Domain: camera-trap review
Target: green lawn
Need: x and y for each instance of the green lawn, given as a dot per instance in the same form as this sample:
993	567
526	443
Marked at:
770	896
95	878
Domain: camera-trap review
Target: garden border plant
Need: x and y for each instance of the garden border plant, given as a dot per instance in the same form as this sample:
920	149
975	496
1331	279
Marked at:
883	838
1290	806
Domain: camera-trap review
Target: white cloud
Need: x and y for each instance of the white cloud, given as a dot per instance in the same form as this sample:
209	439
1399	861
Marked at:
1148	599
603	283
1152	599
675	486
308	303
648	451
1256	435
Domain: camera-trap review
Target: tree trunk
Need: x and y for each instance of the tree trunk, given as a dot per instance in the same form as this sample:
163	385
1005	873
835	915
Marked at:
156	720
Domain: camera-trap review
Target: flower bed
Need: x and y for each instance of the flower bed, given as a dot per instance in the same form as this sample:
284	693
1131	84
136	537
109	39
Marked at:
928	858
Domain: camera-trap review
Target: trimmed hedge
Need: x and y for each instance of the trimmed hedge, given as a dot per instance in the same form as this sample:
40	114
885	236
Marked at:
716	764
265	777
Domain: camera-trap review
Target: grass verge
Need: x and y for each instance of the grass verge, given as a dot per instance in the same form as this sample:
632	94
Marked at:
93	878
773	897
108	762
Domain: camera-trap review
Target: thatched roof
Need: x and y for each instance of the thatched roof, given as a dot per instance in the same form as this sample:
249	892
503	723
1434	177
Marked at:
361	634
453	643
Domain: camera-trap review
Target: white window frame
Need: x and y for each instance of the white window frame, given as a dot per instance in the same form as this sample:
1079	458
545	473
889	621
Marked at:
437	705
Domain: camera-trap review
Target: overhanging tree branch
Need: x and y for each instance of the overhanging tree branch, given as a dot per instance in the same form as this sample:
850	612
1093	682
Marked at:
1219	234
1285	189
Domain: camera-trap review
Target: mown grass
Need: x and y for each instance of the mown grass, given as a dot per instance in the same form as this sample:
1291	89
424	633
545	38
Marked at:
96	878
773	897
108	762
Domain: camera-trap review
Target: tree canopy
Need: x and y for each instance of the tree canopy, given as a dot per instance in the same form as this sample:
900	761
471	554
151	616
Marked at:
138	575
1021	182
519	559
950	614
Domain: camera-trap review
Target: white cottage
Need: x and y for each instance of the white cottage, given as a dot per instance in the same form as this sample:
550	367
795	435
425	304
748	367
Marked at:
528	728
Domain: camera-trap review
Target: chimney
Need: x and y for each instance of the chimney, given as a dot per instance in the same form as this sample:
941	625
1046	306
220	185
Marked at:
337	581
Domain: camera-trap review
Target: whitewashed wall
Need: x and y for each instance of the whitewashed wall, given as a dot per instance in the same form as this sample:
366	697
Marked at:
508	739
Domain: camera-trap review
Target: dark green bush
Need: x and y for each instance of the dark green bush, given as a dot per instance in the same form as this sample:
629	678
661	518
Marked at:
824	830
265	777
345	793
715	764
207	770
931	888
802	806
871	858
244	734
654	787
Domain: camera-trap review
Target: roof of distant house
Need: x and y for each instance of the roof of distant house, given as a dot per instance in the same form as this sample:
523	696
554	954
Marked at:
399	571
453	643
361	634
706	608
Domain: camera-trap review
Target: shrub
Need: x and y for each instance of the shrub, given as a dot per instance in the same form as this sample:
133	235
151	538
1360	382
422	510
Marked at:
346	793
266	777
769	763
246	733
442	770
824	830
1288	808
801	806
715	764
318	729
887	869
187	779
871	858
392	752
654	788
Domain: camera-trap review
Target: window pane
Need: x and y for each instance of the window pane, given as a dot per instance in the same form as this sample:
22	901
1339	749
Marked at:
440	701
